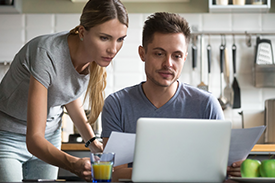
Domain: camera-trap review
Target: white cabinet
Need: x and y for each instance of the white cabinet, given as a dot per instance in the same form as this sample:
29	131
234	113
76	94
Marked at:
16	7
247	8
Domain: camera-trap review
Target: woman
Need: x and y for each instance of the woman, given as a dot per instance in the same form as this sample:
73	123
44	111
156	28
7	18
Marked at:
49	73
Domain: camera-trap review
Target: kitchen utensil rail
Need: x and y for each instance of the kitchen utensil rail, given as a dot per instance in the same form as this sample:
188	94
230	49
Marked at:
252	33
5	63
233	33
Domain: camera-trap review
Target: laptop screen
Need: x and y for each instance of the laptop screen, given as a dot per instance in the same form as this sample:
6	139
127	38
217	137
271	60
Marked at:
181	150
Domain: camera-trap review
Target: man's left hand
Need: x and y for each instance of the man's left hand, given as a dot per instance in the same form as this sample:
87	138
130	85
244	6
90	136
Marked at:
235	169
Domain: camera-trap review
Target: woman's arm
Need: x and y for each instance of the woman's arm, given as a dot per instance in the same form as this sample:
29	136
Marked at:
36	142
79	118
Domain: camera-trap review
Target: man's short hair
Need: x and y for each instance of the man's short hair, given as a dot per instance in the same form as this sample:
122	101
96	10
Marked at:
165	23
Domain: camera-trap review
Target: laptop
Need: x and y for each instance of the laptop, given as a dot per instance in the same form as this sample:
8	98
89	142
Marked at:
181	150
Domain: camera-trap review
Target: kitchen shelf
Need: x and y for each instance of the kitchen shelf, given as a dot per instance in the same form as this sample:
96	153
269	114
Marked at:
81	147
247	8
74	147
263	148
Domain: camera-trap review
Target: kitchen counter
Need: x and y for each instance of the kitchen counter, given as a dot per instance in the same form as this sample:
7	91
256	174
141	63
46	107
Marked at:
81	147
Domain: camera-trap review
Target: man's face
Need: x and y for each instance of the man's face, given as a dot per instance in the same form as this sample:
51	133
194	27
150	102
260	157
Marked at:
164	58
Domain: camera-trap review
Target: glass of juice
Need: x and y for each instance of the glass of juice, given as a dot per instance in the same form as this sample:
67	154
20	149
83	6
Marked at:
102	165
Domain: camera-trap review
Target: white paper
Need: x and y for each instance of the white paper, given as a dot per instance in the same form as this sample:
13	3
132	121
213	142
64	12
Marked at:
123	145
242	141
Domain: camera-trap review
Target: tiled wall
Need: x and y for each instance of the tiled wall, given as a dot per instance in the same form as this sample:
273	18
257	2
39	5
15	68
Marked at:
127	69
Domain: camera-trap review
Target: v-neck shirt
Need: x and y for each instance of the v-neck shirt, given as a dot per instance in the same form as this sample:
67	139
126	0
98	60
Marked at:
123	108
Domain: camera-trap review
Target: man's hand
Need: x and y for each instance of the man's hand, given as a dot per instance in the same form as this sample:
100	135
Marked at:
235	169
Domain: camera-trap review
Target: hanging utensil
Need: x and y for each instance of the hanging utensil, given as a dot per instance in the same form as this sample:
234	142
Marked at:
222	100
235	85
194	53
209	61
202	85
227	90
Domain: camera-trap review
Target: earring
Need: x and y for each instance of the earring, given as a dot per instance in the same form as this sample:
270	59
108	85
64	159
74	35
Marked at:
81	39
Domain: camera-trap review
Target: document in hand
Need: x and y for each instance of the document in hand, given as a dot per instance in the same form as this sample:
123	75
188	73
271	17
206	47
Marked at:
123	145
242	141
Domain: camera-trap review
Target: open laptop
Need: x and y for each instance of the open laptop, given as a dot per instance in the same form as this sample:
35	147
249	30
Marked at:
181	150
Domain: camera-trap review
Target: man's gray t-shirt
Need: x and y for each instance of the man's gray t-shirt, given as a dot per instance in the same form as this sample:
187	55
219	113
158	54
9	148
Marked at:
122	109
47	59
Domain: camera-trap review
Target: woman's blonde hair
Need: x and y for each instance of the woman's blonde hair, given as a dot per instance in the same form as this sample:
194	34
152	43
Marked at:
94	13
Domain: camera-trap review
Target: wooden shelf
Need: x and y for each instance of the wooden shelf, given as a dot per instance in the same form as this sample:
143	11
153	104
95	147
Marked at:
230	8
263	148
81	147
74	147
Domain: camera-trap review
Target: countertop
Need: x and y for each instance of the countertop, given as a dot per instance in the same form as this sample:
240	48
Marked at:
81	147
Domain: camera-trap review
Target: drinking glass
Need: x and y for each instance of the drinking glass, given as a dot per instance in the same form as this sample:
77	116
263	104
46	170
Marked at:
102	165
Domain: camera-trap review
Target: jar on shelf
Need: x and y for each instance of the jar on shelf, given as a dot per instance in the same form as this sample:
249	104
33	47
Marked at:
221	2
238	2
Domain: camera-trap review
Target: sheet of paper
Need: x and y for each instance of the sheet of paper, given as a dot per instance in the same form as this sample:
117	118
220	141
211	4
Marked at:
123	145
242	141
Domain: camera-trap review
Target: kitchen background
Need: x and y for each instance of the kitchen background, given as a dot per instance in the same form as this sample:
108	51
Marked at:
38	17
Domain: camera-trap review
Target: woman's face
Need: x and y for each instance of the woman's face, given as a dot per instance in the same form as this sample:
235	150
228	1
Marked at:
102	42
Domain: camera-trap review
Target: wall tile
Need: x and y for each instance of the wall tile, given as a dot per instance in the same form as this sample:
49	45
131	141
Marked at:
66	22
135	21
253	105
194	20
266	19
9	51
12	21
32	33
128	51
128	65
245	81
251	96
12	36
134	36
34	21
122	80
216	22
246	22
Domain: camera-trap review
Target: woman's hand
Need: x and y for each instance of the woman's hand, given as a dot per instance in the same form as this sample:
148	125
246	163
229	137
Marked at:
96	146
235	169
82	168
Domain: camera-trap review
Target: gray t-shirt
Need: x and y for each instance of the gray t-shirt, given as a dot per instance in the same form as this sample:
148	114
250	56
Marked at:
122	109
47	58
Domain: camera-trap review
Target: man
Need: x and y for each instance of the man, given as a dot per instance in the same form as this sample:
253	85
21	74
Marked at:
165	42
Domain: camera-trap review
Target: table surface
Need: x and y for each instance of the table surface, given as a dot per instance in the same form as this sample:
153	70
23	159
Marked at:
226	181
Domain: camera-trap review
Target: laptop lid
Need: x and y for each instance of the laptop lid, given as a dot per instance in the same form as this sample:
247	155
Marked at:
181	150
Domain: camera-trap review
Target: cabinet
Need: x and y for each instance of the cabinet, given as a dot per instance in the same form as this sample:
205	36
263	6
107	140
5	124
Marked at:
15	7
247	8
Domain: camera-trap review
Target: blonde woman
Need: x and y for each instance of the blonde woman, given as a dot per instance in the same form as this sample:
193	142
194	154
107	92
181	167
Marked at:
49	73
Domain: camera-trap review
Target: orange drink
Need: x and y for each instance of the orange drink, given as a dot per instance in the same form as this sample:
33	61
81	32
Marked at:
102	165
